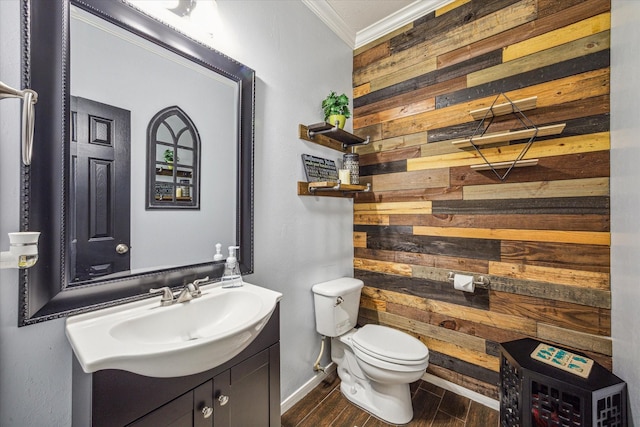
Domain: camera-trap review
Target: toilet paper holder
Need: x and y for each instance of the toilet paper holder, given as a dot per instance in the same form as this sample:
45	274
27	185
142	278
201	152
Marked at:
478	281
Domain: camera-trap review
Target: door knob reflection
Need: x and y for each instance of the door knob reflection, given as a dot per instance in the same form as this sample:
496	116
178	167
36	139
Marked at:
122	248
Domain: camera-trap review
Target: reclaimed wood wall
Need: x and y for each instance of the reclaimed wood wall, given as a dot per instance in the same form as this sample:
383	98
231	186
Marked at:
541	236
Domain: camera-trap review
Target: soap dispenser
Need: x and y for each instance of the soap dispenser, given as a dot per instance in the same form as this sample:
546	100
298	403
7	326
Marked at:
231	277
218	256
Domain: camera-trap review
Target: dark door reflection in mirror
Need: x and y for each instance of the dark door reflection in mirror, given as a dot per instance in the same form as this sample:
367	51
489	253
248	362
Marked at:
100	179
173	153
166	247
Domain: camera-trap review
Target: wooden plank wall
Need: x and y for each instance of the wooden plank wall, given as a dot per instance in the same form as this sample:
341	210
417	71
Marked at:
542	235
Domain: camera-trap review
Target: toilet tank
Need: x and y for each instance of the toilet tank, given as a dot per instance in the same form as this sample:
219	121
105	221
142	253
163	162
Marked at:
336	304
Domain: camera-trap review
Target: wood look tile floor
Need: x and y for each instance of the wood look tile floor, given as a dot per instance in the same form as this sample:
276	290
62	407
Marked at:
432	407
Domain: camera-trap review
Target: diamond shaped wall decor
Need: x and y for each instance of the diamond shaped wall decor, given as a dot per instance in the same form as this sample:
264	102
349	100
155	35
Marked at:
481	136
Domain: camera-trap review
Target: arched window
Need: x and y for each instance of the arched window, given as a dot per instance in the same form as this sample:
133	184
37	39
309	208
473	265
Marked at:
173	153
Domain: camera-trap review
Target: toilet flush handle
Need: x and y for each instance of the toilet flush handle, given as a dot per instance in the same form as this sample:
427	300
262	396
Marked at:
339	301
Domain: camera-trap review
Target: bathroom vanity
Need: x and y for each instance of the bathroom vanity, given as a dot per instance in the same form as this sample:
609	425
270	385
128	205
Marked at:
245	391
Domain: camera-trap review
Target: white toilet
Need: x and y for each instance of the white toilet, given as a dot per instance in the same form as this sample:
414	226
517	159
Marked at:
376	363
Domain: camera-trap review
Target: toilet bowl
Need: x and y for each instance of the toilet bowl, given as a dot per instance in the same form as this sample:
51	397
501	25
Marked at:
375	363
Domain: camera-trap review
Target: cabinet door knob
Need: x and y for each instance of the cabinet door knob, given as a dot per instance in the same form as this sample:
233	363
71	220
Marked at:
223	399
207	412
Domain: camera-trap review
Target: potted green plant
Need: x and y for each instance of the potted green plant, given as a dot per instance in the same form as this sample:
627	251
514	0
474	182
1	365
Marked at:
336	109
168	157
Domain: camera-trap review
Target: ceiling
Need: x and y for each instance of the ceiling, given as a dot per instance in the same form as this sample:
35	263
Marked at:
359	22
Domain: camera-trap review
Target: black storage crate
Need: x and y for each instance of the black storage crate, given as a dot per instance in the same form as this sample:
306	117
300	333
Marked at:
534	394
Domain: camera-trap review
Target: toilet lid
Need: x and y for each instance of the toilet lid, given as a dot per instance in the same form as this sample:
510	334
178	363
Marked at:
389	344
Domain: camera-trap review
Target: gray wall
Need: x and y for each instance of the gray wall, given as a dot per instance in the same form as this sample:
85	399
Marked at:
298	241
35	362
625	195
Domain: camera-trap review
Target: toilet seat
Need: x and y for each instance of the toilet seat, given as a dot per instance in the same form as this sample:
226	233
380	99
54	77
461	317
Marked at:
390	345
397	367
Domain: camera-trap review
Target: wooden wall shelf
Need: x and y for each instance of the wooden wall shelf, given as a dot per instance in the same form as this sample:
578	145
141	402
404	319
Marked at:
169	172
506	108
169	198
335	189
330	136
494	138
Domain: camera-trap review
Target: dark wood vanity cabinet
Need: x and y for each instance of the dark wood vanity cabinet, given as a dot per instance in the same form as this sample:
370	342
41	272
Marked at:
182	411
236	397
242	392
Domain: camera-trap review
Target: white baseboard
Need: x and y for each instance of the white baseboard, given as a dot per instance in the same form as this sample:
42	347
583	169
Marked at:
306	388
462	391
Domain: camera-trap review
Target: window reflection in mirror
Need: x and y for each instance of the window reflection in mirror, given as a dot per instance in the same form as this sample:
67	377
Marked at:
173	151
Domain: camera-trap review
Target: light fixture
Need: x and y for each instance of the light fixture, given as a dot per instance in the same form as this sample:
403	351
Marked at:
23	250
29	98
184	7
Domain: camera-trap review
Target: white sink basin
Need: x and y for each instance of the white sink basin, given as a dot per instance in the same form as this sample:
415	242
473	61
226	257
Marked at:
181	339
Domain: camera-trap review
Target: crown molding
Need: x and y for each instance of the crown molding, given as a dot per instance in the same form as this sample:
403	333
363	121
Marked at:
397	20
404	16
327	15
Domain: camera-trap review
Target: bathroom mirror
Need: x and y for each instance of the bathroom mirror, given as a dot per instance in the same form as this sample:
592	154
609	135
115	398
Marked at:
52	288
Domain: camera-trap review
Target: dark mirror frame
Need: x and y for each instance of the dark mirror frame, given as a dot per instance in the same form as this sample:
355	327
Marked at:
44	290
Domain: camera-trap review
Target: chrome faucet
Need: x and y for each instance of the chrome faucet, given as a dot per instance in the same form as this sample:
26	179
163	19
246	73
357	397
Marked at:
189	292
167	295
